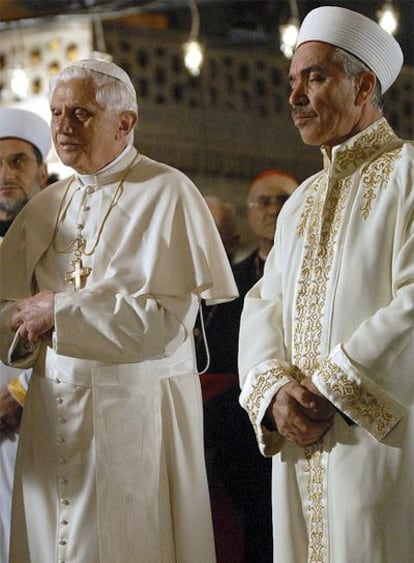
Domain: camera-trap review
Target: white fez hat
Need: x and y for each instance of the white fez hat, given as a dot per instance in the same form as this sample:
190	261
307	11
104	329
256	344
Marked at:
26	125
109	69
358	35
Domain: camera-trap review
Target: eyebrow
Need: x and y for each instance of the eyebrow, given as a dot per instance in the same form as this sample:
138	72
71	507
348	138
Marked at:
307	70
16	155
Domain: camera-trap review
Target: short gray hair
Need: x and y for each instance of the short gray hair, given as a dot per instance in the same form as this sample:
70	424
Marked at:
351	67
110	91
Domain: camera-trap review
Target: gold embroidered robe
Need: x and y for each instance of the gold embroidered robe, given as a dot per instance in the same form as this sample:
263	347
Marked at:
337	303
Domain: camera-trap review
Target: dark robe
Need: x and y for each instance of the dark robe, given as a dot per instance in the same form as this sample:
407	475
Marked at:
233	457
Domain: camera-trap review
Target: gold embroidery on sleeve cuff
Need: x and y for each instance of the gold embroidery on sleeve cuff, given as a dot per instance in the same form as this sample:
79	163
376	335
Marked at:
266	379
359	398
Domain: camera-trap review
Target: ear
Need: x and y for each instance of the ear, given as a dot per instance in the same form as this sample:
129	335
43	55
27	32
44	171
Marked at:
127	122
43	176
365	85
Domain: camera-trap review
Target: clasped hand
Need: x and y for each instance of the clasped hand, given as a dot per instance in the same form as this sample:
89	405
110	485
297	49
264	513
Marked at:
34	316
301	413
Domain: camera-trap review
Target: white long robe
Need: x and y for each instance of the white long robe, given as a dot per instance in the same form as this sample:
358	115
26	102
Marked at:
337	303
112	468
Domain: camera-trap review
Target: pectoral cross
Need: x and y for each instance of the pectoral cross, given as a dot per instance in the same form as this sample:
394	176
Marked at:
78	275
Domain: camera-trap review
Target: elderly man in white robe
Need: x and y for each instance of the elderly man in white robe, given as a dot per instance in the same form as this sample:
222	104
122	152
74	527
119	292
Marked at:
25	141
327	379
101	301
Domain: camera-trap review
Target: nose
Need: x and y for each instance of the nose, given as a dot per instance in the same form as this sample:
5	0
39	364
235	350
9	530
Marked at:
63	123
298	96
273	209
6	169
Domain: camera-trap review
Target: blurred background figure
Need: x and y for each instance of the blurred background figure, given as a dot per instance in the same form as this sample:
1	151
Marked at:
25	141
239	476
225	217
265	197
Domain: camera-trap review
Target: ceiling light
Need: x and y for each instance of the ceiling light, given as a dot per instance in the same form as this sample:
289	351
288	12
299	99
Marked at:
193	52
288	37
19	83
388	18
193	57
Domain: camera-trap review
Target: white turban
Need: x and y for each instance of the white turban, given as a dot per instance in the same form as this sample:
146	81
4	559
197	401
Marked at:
27	126
358	35
109	69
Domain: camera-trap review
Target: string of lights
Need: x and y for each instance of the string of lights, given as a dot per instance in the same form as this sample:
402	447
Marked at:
194	52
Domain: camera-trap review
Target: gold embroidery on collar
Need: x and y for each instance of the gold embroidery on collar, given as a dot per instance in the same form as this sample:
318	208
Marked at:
376	174
363	147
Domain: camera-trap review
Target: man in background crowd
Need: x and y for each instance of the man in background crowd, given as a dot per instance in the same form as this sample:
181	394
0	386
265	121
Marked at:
233	458
265	197
225	218
24	144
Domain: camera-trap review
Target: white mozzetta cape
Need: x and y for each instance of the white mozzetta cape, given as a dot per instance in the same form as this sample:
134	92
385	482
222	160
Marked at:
110	465
337	303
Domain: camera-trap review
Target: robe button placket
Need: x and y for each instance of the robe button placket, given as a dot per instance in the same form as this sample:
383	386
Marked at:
65	503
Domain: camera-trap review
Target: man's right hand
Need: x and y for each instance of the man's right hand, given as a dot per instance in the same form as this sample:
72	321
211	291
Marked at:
294	411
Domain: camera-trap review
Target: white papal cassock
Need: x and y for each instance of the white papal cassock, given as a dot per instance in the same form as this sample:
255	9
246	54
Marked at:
110	466
337	303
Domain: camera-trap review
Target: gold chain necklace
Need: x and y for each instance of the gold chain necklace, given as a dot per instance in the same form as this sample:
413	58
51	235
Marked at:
79	273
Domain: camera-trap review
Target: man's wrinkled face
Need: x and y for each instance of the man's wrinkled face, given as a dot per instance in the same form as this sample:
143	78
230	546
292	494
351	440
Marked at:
85	134
21	176
322	98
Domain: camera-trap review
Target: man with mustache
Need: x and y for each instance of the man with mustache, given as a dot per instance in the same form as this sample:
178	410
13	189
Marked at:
326	356
24	144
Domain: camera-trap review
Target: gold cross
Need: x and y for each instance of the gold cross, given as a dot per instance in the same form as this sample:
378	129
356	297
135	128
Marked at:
78	275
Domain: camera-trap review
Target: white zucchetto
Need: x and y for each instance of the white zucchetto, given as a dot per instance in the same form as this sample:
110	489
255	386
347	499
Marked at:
109	69
357	34
25	125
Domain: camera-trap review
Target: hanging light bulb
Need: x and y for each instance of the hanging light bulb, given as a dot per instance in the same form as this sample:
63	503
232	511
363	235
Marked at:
19	83
193	52
288	37
193	57
388	18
